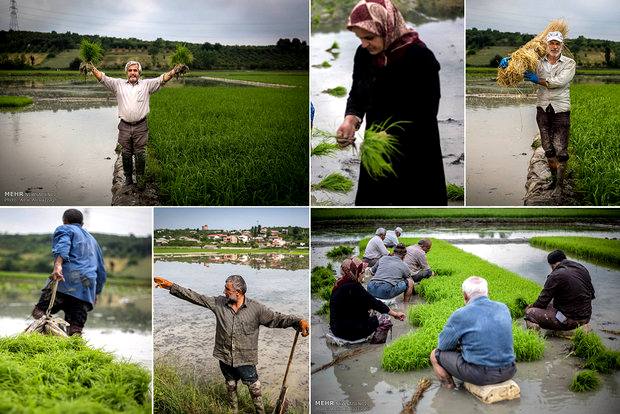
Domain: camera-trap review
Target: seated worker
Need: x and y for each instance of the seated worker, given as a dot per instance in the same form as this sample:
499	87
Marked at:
475	345
415	259
350	303
570	287
391	277
391	237
375	249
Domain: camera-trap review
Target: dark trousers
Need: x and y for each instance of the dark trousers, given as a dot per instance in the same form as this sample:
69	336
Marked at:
76	310
246	373
133	137
554	129
453	362
546	319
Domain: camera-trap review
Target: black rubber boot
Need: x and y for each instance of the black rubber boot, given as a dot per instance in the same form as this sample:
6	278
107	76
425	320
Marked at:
140	167
128	168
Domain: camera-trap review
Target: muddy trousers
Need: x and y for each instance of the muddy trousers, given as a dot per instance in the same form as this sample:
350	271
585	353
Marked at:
554	129
546	319
248	375
133	137
76	310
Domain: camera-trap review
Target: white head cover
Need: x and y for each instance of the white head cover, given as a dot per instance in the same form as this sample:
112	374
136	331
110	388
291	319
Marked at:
133	62
555	36
398	230
380	231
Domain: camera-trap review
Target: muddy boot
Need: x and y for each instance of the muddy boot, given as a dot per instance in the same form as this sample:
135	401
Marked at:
233	400
74	330
255	393
532	325
128	168
140	166
559	181
552	162
38	313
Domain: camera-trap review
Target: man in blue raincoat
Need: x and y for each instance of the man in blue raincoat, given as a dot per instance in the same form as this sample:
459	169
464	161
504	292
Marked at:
79	268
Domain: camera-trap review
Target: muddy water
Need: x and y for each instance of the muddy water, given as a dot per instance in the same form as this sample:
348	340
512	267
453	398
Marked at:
184	333
360	385
445	39
120	323
499	138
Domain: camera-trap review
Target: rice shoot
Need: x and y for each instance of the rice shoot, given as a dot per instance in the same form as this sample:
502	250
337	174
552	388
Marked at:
378	149
324	148
338	91
335	182
91	52
586	380
182	55
526	57
340	252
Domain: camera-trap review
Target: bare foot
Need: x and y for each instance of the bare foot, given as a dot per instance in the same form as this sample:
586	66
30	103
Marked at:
448	384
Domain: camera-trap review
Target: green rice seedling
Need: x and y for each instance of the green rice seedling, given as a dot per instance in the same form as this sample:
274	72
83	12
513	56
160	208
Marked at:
455	192
335	182
324	148
528	344
323	310
14	101
596	249
333	47
586	380
181	55
589	347
91	52
338	91
325	293
339	252
378	149
322	276
46	374
604	362
325	64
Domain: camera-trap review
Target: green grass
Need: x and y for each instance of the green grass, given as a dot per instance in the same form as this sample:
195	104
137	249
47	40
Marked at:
324	148
338	91
181	250
528	214
45	374
340	252
14	101
228	145
443	296
589	248
455	192
594	143
586	380
334	182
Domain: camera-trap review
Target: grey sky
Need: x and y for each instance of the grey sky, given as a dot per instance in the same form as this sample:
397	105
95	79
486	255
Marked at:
229	218
110	220
242	22
595	19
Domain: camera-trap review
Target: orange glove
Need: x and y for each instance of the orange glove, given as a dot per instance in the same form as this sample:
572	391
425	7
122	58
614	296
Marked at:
304	327
160	282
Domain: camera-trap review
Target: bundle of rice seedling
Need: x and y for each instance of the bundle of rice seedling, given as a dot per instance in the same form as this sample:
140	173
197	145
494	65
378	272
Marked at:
324	148
526	58
585	380
378	149
90	51
182	55
340	252
335	182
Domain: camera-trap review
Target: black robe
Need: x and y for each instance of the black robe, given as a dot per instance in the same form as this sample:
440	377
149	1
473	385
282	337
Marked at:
407	89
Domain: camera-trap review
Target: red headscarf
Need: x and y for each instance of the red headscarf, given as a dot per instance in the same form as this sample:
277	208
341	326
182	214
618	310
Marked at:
350	271
381	18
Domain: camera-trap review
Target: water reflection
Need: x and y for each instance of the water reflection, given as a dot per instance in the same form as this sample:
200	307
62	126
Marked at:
255	261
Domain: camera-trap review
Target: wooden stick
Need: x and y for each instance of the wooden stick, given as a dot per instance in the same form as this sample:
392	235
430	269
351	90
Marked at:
279	408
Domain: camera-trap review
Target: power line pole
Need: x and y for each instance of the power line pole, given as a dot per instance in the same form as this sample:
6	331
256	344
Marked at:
14	25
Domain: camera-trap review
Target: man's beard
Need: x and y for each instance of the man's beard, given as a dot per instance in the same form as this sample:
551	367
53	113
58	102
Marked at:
231	299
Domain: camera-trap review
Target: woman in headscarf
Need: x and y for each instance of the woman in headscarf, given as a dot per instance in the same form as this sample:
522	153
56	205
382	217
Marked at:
350	304
395	79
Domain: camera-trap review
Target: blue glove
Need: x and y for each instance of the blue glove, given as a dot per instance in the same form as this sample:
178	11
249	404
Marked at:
504	62
531	76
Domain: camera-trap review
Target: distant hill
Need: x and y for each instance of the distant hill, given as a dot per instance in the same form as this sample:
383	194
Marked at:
24	49
484	46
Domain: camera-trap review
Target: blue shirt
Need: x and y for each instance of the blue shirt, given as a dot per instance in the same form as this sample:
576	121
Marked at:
483	328
82	265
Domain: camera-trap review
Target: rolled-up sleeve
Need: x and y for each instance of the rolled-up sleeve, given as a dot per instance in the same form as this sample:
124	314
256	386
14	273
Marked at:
61	243
563	77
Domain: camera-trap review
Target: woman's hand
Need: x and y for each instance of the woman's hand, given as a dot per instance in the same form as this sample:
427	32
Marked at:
345	135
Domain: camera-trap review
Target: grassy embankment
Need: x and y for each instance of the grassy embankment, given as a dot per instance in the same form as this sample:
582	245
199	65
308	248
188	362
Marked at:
443	296
229	145
177	392
190	250
604	251
14	101
595	143
52	375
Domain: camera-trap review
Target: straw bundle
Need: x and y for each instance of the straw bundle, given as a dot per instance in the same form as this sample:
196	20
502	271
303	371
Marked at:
526	58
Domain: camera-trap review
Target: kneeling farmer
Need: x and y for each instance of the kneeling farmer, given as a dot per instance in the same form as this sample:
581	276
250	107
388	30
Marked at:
236	335
133	96
476	345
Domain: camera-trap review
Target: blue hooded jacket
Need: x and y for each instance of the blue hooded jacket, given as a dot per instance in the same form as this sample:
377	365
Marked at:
82	267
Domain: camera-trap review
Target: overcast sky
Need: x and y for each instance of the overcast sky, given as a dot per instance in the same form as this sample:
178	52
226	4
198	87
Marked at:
595	19
110	220
242	22
229	218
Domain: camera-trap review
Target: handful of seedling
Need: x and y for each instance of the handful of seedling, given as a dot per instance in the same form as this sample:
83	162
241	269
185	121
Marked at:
181	59
90	53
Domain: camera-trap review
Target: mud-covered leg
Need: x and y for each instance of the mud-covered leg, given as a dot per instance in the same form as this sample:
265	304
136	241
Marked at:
231	392
257	399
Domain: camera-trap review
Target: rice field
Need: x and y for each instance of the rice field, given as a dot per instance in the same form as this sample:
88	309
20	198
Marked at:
14	101
42	374
229	145
443	296
185	250
340	252
589	248
594	143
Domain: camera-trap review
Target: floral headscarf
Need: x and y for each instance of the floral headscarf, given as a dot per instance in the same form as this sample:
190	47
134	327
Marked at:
381	18
350	270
